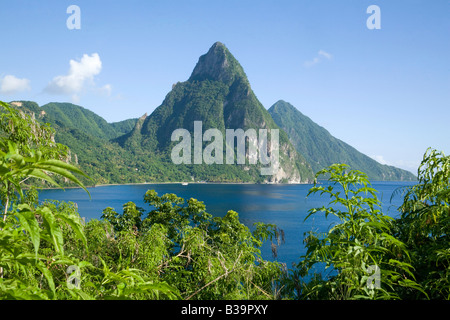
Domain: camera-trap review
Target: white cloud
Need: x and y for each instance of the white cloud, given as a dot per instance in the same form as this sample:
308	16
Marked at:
409	165
80	76
11	84
321	54
106	90
325	54
379	159
311	62
75	98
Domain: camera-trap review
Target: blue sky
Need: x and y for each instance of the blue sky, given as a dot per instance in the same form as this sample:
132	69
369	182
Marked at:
385	91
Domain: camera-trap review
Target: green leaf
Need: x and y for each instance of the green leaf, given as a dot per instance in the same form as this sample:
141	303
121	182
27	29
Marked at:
52	228
63	165
74	222
36	173
48	276
61	171
28	221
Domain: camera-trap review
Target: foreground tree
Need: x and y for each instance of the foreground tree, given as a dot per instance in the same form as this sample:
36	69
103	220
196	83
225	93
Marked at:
424	225
34	263
363	258
205	257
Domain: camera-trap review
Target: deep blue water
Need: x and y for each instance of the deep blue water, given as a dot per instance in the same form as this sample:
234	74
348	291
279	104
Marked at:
283	205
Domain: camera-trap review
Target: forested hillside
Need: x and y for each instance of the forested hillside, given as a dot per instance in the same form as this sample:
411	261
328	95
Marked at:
321	149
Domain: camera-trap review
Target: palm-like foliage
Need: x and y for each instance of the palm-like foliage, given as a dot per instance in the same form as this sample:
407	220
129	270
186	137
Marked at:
33	261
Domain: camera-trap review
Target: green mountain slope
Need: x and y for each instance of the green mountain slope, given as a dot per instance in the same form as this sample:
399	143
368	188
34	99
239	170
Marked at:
321	149
87	135
73	116
219	95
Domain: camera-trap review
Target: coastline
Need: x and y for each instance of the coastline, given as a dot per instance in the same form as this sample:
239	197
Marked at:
206	182
159	183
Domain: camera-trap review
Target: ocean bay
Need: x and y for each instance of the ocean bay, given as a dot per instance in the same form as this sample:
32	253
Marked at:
285	205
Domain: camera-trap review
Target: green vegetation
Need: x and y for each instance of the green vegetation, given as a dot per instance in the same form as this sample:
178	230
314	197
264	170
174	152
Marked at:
321	149
410	253
73	116
219	95
363	239
424	225
176	250
202	256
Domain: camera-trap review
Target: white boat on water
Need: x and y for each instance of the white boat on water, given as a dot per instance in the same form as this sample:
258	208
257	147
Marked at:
184	183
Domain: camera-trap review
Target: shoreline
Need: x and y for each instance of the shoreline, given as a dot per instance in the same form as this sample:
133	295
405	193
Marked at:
189	183
162	183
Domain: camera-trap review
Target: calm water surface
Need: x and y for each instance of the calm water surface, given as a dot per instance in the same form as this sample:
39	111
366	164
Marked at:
283	205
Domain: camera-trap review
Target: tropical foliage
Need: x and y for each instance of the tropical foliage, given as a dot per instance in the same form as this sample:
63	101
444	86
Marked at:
368	254
359	246
34	263
424	225
48	253
175	249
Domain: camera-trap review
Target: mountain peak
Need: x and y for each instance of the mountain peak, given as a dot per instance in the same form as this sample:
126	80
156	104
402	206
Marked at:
218	44
218	64
282	104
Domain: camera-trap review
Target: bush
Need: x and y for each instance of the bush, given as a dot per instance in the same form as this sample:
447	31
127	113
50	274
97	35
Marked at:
365	259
